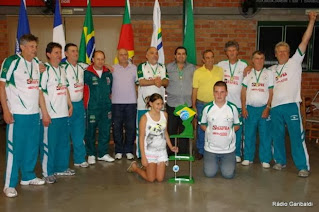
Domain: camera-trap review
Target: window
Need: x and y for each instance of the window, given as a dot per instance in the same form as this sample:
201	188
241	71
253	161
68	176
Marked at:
270	33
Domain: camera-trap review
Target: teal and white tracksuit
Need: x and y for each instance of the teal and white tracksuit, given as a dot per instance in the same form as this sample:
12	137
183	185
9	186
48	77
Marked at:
258	84
75	77
22	139
55	151
286	110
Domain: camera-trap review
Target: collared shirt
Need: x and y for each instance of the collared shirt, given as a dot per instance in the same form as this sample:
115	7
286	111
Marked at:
220	134
22	84
75	77
54	87
233	76
179	89
258	84
147	71
287	80
205	80
123	88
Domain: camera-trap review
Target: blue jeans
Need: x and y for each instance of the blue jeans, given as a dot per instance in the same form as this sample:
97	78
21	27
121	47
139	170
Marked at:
226	162
124	117
200	133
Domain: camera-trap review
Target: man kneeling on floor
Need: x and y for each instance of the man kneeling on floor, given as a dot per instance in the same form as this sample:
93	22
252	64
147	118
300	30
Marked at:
220	121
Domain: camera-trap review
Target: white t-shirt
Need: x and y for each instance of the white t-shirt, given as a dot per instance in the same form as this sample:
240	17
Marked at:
99	72
220	134
258	84
22	84
146	71
234	79
287	80
75	78
54	87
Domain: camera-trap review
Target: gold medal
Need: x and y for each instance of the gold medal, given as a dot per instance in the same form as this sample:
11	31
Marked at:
257	84
231	78
29	81
180	77
60	85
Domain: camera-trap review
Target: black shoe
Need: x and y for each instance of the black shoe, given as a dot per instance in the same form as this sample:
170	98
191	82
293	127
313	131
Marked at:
198	156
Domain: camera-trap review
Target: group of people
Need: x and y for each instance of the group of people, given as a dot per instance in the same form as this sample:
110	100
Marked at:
46	105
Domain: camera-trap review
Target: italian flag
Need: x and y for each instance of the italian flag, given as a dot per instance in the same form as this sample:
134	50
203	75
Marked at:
126	40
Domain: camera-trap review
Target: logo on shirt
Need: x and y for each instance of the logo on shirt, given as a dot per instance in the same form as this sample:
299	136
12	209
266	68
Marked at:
278	78
108	80
294	117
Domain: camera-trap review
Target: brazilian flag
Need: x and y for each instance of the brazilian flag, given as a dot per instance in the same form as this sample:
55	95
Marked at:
87	44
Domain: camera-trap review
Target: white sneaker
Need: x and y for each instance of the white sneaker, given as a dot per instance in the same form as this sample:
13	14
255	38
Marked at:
106	158
238	159
265	165
35	181
129	156
91	159
303	173
10	192
246	163
82	165
118	156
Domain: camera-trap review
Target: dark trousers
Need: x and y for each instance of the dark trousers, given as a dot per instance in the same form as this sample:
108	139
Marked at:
175	127
124	127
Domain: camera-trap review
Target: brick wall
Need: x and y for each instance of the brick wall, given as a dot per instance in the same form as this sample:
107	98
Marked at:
4	47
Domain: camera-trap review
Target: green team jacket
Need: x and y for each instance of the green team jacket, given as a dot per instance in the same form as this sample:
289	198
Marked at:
97	91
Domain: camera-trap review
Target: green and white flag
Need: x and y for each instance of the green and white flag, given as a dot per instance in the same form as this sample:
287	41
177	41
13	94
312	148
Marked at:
189	32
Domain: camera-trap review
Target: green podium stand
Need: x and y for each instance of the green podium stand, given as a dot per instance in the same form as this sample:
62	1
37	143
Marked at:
186	114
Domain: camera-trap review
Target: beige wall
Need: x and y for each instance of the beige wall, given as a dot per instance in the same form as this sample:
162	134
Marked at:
107	31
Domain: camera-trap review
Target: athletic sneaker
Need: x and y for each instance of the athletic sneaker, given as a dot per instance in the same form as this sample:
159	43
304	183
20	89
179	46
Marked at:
129	156
118	156
303	173
82	165
106	158
35	181
50	179
68	172
10	192
238	159
246	162
91	160
265	165
279	167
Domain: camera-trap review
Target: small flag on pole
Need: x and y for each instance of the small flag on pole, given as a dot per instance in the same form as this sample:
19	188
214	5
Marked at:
126	40
157	32
87	43
23	25
58	31
189	32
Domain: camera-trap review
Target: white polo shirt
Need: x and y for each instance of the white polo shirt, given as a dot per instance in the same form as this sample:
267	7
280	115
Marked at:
233	76
287	80
149	72
54	87
220	134
22	84
258	84
75	78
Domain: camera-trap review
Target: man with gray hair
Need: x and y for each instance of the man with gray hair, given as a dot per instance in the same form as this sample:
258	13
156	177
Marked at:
19	93
233	76
285	103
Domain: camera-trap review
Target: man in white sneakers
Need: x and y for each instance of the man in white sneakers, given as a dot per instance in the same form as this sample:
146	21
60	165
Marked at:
256	96
124	106
286	103
19	92
75	75
220	121
233	76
